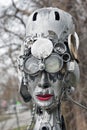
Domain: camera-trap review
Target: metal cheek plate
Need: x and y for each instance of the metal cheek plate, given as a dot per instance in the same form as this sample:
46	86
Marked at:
42	48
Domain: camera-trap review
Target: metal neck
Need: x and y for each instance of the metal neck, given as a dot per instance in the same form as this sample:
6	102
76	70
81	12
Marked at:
48	120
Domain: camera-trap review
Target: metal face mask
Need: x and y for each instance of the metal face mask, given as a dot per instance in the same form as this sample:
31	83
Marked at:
48	55
44	67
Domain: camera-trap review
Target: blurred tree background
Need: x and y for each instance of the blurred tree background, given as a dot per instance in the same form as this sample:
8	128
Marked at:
12	32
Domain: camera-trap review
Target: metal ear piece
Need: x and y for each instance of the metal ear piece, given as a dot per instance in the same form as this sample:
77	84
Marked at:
73	44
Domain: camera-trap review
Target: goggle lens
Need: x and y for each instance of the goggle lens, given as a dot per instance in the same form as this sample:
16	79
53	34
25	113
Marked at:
31	65
52	64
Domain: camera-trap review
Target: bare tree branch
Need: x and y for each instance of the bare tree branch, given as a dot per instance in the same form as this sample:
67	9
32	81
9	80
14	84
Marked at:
20	10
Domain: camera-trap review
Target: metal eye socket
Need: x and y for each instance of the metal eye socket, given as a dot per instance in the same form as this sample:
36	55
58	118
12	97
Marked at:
60	48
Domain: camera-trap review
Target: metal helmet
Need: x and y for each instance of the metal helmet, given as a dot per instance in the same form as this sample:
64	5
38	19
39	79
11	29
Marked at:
55	23
50	19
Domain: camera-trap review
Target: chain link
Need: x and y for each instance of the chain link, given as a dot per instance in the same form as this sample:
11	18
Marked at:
31	125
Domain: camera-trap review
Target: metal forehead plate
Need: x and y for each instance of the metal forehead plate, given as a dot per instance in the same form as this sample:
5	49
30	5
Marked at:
42	48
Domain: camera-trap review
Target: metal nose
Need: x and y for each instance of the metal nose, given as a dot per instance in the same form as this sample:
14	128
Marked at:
44	82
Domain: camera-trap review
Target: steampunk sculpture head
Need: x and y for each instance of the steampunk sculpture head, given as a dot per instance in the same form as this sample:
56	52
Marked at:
49	56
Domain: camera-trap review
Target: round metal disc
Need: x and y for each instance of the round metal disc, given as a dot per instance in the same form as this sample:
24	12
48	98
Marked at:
42	48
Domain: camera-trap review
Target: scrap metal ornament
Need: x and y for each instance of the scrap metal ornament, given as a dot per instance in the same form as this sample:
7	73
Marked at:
42	48
49	66
73	43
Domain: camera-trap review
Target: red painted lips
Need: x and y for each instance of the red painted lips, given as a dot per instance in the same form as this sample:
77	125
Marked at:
44	97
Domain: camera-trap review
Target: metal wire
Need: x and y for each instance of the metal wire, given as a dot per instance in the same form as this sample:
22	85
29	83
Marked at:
31	125
65	93
75	102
